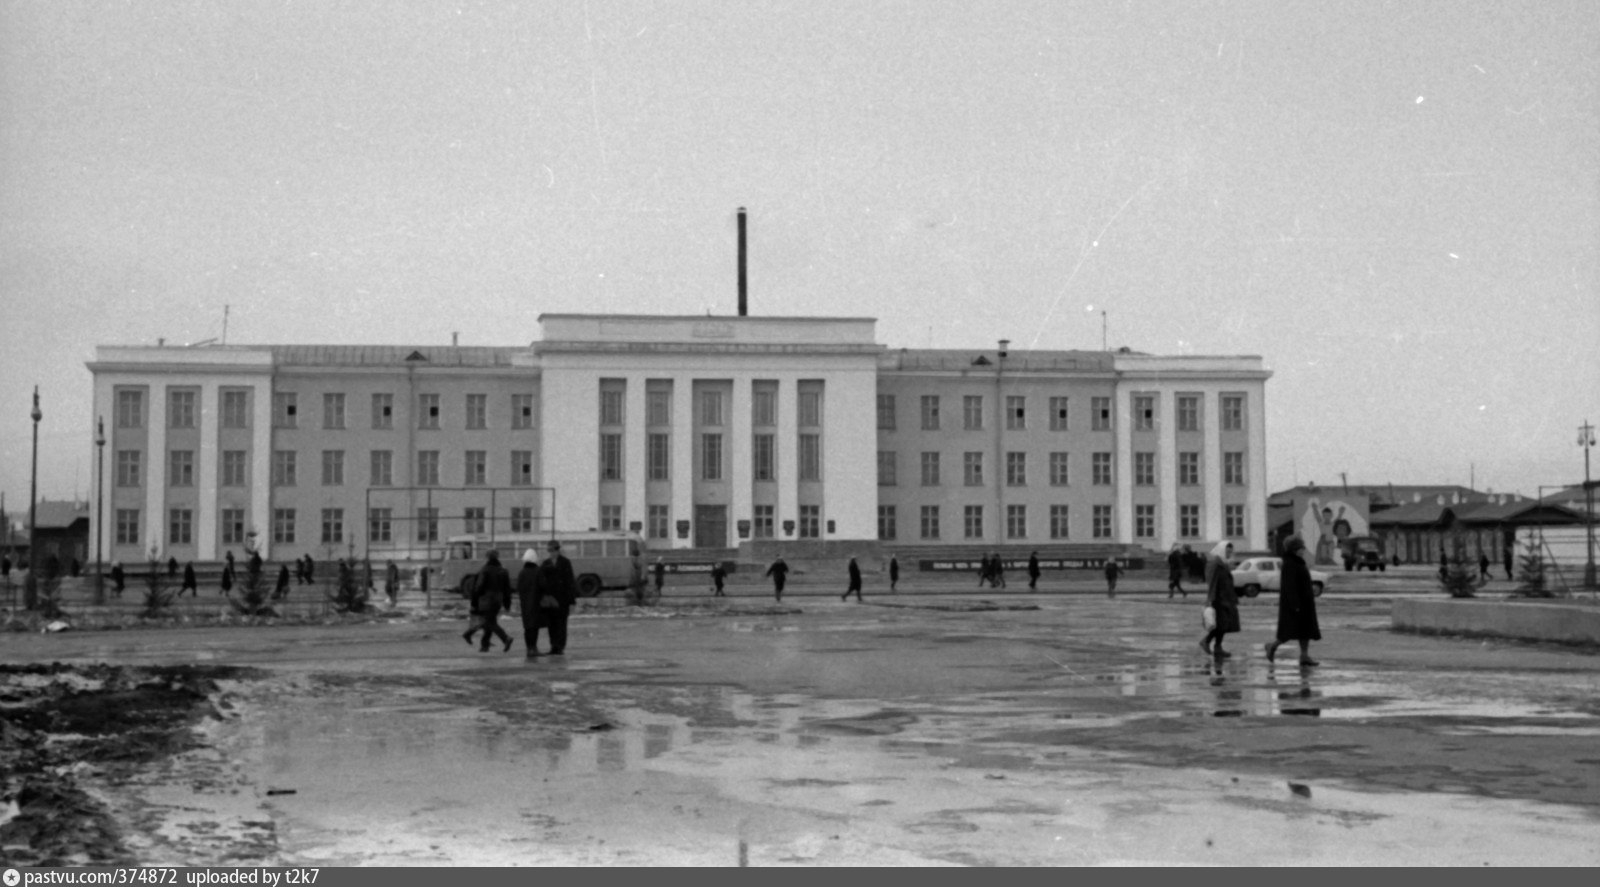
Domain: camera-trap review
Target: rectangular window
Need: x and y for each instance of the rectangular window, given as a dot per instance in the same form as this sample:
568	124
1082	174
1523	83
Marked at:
1188	469
611	406
886	522
180	526
1102	522
1144	521
711	457
332	468
180	409
1232	412
930	412
428	411
972	469
930	521
610	517
473	520
886	412
1016	469
333	411
1058	522
886	466
763	454
521	411
476	472
658	407
283	526
1144	469
1058	414
283	468
810	521
130	413
711	409
427	468
1189	521
611	457
1058	469
380	525
285	409
382	411
477	412
181	468
127	526
522	468
972	412
810	409
522	519
235	409
128	468
332	525
1233	520
1188	412
1100	465
811	457
1144	412
233	468
1233	468
763	528
658	456
382	464
1016	521
972	521
763	407
427	525
930	469
657	527
1016	413
1100	414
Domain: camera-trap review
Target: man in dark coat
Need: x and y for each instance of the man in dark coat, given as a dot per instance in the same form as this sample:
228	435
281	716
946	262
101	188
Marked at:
118	579
227	577
779	571
661	575
391	582
1297	604
5	566
189	583
894	572
985	570
1033	571
546	592
311	570
492	594
1175	572
172	566
1509	575
1483	566
1112	572
855	582
282	591
719	574
997	570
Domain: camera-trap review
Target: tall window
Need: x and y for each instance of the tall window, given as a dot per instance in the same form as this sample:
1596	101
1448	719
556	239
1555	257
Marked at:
1016	521
811	457
130	414
1102	522
427	468
1100	466
332	468
1144	521
1058	469
886	522
1058	522
930	469
1188	412
763	522
521	411
382	468
522	468
1232	412
1189	469
886	412
810	409
232	520
233	468
972	412
611	406
477	412
711	457
762	454
283	526
1144	469
285	409
128	468
1233	468
810	521
235	409
611	457
972	468
1189	521
711	408
1016	413
763	408
382	411
611	517
473	519
886	468
1233	520
180	526
428	524
1058	414
477	468
283	468
1016	469
659	519
972	521
930	412
180	409
333	411
380	525
1100	414
929	520
657	450
658	407
180	472
522	519
427	411
127	526
1144	412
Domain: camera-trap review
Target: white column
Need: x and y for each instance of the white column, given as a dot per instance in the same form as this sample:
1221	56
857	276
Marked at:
1256	457
155	491
205	518
788	444
634	453
682	459
1211	467
1122	415
741	470
261	463
1167	467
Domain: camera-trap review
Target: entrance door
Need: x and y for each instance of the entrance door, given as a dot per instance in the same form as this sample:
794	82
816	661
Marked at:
711	526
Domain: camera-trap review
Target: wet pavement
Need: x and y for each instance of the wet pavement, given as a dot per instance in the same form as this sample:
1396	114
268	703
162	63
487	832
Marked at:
997	728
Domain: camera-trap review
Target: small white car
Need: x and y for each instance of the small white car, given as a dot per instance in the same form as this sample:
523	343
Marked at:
1256	574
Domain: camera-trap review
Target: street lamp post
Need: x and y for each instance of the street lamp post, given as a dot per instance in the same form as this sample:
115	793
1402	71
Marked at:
99	508
1586	440
31	592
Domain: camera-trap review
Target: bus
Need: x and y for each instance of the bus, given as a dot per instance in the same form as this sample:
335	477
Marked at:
600	560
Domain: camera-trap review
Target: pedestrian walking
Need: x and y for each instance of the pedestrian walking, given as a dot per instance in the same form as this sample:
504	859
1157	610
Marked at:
1175	572
546	592
118	578
1033	571
660	574
189	583
391	582
1483	566
997	571
854	572
1112	572
718	574
227	578
5	566
282	591
74	568
1221	600
367	585
779	571
1297	604
985	570
172	566
1444	566
894	572
1509	575
492	593
311	570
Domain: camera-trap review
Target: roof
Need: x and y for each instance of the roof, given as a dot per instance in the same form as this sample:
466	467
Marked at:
59	515
1387	494
955	359
393	355
1432	514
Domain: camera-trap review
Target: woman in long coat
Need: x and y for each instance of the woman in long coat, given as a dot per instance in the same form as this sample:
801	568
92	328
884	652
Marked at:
1297	604
1220	597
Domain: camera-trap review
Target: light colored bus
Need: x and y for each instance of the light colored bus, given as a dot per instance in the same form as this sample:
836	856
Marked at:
600	560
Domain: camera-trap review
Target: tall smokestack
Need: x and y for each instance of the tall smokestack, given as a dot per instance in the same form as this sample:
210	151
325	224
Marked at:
744	285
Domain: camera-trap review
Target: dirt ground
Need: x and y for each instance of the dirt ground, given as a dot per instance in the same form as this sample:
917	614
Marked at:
998	729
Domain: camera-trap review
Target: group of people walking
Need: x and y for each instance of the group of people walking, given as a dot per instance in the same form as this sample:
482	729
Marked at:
1297	603
545	593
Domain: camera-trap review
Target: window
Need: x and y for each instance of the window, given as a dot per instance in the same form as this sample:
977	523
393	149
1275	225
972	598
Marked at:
473	519
611	457
1144	412
811	457
130	414
810	409
659	519
763	528
1016	469
1058	414
380	525
233	468
658	407
332	468
763	408
972	521
611	517
522	468
886	412
930	521
427	468
1144	469
333	411
1016	413
1100	466
930	412
476	470
972	469
1189	521
1058	522
711	408
284	409
1100	414
180	526
886	527
283	526
181	471
1233	468
1233	520
332	525
1016	521
810	521
1189	469
235	409
1188	412
972	412
180	409
1102	522
522	519
1058	469
127	526
283	468
1144	521
382	474
128	468
762	453
427	525
382	411
521	411
611	406
930	469
886	466
1232	412
711	457
428	411
658	456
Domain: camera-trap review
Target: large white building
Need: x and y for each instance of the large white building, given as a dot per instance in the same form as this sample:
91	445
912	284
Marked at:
698	432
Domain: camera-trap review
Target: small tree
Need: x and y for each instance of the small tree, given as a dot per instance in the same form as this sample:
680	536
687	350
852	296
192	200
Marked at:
157	596
349	596
251	599
1531	571
49	596
1461	579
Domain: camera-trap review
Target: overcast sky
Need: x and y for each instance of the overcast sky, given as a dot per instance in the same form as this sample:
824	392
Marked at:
1394	204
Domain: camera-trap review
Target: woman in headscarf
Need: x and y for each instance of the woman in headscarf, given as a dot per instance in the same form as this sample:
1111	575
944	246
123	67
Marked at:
1297	603
1221	598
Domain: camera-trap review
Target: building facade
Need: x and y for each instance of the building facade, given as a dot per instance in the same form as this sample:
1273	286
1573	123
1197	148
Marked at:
696	432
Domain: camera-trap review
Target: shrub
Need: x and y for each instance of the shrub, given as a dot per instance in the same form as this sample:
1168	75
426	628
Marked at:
1461	580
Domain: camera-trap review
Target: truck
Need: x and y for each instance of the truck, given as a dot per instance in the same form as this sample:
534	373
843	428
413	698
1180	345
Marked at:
1362	553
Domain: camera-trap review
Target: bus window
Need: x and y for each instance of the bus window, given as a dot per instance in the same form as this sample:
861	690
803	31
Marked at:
590	547
461	552
616	547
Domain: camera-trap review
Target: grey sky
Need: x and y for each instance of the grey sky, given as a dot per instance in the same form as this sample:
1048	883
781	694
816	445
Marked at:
1394	203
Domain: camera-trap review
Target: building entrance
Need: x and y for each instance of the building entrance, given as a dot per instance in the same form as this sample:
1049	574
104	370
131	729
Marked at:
711	526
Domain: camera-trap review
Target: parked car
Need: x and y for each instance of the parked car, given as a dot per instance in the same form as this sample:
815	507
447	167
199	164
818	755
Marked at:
1253	575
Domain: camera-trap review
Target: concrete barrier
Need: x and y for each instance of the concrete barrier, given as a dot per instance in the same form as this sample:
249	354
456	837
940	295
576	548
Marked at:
1525	620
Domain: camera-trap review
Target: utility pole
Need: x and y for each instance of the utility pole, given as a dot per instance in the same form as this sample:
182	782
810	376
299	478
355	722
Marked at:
1586	440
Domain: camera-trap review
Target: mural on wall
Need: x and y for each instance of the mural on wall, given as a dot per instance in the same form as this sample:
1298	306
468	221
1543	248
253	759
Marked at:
1326	522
